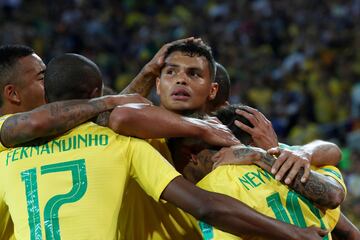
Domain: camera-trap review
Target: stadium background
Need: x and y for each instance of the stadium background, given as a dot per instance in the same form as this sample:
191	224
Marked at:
297	61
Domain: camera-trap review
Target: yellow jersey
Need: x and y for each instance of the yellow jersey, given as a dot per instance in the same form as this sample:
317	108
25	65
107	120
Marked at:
73	186
142	218
6	224
260	191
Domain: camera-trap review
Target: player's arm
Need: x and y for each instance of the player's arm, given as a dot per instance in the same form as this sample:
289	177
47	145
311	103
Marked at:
345	229
160	180
55	118
146	79
323	153
322	190
230	215
146	121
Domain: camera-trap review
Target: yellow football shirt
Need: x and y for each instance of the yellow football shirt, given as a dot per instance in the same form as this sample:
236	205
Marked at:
6	224
72	187
260	191
143	218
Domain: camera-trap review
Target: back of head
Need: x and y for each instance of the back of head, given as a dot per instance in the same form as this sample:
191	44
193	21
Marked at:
72	76
227	116
223	80
9	55
198	49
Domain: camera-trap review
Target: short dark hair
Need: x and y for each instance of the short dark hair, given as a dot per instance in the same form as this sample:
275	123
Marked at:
71	76
9	55
223	80
195	49
227	116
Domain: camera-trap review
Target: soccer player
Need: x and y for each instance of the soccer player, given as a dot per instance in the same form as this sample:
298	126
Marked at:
21	81
259	189
22	89
77	163
145	115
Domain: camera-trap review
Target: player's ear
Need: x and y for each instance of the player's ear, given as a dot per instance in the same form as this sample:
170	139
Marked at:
11	94
158	86
96	92
213	90
193	158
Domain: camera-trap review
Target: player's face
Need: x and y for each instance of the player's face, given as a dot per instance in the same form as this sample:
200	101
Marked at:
199	166
185	84
30	85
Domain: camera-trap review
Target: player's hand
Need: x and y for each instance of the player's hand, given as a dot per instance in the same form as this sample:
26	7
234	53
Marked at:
157	62
289	164
128	98
310	233
237	155
262	133
217	134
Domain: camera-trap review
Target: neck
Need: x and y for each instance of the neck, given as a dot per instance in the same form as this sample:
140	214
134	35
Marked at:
11	109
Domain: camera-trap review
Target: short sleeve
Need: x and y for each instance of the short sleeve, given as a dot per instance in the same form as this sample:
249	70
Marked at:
333	172
149	168
2	120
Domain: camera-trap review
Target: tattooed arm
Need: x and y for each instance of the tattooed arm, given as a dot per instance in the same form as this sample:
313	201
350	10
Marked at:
57	117
322	190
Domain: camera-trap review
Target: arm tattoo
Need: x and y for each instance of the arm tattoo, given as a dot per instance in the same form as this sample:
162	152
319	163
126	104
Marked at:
320	189
55	118
103	119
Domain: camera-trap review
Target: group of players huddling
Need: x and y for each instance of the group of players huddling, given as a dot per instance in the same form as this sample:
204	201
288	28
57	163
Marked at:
79	164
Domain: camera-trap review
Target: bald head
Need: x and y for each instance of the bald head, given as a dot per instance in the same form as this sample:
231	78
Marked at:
72	76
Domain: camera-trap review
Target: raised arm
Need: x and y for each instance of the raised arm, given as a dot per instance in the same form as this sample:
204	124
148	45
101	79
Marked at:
230	215
322	190
145	80
146	121
58	117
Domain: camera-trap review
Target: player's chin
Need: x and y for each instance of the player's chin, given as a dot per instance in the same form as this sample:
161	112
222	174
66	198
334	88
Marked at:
180	106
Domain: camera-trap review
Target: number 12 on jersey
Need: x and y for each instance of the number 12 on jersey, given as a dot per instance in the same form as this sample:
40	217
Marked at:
51	210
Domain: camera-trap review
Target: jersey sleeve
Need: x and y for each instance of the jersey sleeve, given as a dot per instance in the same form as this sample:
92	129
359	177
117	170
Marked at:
332	215
149	168
2	120
333	172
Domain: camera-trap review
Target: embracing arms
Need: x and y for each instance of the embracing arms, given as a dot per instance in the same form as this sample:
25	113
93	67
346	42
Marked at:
322	190
57	117
146	121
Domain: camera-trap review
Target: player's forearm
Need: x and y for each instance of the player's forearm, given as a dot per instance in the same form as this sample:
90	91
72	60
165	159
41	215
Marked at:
322	190
144	121
51	119
345	229
323	153
141	84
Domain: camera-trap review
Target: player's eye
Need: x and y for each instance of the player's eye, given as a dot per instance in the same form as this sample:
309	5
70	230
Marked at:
194	73
170	71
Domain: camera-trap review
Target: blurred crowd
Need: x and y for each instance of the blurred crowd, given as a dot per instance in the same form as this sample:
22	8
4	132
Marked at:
296	61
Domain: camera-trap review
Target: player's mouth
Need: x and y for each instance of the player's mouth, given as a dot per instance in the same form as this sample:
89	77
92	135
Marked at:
180	94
